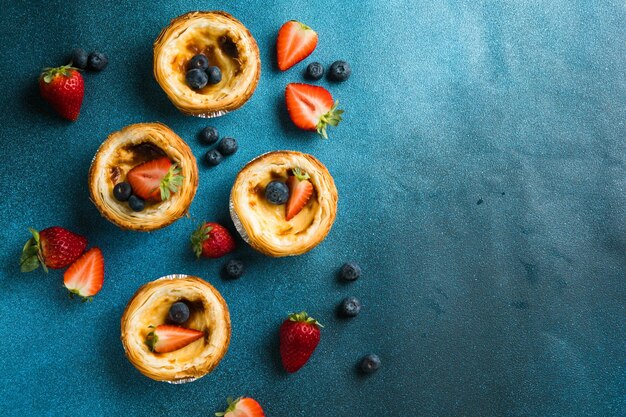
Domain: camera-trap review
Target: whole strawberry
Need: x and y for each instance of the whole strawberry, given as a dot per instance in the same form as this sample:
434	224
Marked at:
212	240
54	248
299	336
63	88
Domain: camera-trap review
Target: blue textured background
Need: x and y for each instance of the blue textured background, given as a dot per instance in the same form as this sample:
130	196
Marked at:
481	170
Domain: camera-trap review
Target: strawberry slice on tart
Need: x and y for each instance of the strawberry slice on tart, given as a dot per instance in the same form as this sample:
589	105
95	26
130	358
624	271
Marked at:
295	42
86	275
155	180
312	108
168	338
300	192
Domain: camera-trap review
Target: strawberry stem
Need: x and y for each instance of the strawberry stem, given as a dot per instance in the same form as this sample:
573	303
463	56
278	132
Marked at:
332	118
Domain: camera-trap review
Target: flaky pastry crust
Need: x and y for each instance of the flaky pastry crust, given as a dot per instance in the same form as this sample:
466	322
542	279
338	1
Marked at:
129	147
227	43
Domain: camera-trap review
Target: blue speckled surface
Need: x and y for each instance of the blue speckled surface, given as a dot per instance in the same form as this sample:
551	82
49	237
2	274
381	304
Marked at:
481	170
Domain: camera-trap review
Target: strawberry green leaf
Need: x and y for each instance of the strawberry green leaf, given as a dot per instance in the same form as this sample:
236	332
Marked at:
300	174
31	254
198	237
171	183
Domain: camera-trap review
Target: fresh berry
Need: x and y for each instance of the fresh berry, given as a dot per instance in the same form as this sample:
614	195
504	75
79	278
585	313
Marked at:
314	71
79	58
213	157
350	271
370	363
295	42
214	75
179	313
312	108
196	78
155	180
212	240
277	192
228	146
122	191
339	71
300	191
63	88
242	407
54	248
168	338
350	307
85	276
199	61
209	135
136	203
234	268
97	61
299	336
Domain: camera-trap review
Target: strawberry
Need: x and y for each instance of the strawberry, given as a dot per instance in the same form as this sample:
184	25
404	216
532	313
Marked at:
212	240
85	276
295	42
168	338
312	108
155	180
63	88
54	248
299	336
242	407
300	191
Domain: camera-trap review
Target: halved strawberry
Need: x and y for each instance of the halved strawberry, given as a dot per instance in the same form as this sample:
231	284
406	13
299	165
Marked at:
155	180
295	42
300	191
86	275
167	338
311	107
242	407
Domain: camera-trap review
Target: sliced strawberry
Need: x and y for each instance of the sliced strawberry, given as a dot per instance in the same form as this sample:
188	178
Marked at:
295	42
167	338
242	407
85	276
300	191
312	108
155	180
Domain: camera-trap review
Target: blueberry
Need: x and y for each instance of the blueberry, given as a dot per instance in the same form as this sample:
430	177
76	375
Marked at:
179	313
213	157
215	75
122	191
199	61
234	268
350	271
370	363
228	146
79	58
97	61
339	71
209	135
350	307
196	78
136	203
277	192
314	71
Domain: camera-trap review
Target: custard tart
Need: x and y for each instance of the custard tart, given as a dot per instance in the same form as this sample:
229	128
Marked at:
148	311
275	228
140	145
227	44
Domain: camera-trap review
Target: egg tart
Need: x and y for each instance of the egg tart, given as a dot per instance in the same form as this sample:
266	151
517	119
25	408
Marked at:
227	44
129	148
274	229
148	310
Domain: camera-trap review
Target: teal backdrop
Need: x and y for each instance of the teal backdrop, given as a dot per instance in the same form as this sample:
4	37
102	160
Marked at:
481	175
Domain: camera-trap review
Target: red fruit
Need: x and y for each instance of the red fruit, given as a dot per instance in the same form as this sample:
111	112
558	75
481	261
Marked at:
299	336
311	107
212	240
85	276
167	338
54	248
242	407
295	42
300	191
63	88
155	180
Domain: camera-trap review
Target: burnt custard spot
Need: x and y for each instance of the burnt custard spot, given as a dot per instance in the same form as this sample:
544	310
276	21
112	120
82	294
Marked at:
228	46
